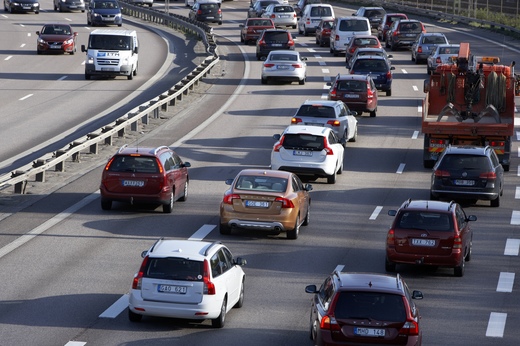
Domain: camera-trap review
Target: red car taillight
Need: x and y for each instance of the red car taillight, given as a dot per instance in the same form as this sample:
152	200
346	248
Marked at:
296	120
370	93
136	284
228	199
109	163
419	50
395	33
438	60
389	75
277	146
209	287
286	203
390	238
410	327
457	242
268	65
329	323
327	149
333	122
297	65
441	174
261	43
333	93
488	175
273	16
336	38
290	43
199	12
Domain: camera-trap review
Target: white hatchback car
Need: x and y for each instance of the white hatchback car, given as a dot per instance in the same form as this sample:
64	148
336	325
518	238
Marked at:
308	151
187	279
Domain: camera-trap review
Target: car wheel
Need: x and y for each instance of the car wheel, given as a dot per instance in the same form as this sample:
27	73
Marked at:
428	163
135	71
468	254
506	168
221	319
389	266
55	7
87	76
264	80
387	44
393	47
240	301
413	59
184	197
331	50
302	81
459	270
335	52
331	179
106	204
242	39
307	216
225	229
314	330
300	30
389	92
167	208
38	51
293	233
131	75
133	317
496	202
294	26
373	113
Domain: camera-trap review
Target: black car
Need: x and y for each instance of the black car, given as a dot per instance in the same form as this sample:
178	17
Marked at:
22	6
403	33
374	15
364	308
104	12
468	172
379	69
273	39
69	5
206	11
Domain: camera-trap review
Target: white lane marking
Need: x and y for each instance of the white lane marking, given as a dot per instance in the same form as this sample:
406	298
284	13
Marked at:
22	45
68	19
25	97
23	26
517	138
202	232
515	217
325	70
47	224
8	57
505	282
28	34
375	213
325	86
400	169
75	343
324	96
303	44
415	88
404	71
419	109
322	63
312	50
496	325
62	78
512	247
415	134
115	309
317	56
517	192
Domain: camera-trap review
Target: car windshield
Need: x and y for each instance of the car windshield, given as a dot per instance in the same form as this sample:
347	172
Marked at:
374	13
303	141
261	183
464	162
173	268
105	4
321	11
317	111
135	164
352	85
370	306
449	50
110	42
56	30
429	221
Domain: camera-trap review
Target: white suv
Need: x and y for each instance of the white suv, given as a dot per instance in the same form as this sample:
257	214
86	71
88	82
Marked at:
308	150
187	279
344	29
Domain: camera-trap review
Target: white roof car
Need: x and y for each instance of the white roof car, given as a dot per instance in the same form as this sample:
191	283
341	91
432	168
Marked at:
306	150
343	29
312	15
187	279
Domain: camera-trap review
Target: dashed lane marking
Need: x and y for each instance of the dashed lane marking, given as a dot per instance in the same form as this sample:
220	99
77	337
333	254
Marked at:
375	213
496	325
505	282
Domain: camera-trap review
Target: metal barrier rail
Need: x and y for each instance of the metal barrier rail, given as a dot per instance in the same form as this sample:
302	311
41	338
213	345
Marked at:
18	178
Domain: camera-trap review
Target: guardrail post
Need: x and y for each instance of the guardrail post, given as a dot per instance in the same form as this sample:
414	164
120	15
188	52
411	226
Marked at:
94	148
108	140
75	156
19	187
39	176
164	106
120	133
60	167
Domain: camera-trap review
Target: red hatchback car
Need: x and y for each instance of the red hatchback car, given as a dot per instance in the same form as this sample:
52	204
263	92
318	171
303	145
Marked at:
145	175
357	91
323	32
56	38
429	233
357	41
253	27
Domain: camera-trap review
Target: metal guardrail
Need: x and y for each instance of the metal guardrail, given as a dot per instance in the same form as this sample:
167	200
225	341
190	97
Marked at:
56	160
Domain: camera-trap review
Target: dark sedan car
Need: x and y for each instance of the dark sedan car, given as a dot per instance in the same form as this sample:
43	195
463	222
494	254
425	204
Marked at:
273	39
256	9
379	69
56	38
69	5
403	33
104	12
12	6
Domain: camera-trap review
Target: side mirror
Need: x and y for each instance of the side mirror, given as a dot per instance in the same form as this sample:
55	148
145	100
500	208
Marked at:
240	261
417	295
392	68
263	58
392	212
241	25
136	50
144	253
472	218
83	49
229	181
389	56
311	289
277	136
303	58
186	164
308	187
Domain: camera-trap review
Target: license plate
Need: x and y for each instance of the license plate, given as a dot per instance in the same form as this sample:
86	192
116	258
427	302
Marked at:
463	182
423	242
369	332
437	145
282	67
257	204
133	183
284	16
351	96
210	17
26	7
107	19
302	153
55	46
72	6
107	69
172	289
410	35
276	44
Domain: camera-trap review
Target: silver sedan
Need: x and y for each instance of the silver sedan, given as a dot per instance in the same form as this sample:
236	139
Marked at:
284	65
281	15
442	54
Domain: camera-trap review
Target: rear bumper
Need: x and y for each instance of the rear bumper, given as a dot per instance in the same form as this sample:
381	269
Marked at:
482	195
451	260
161	198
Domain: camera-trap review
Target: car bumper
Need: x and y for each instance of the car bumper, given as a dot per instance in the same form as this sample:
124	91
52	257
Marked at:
161	198
21	8
71	8
311	171
327	340
293	76
209	19
265	50
124	70
285	22
483	195
63	49
452	260
100	21
271	223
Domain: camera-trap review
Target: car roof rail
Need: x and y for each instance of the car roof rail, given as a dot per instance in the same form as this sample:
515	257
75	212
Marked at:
407	203
398	281
451	204
122	148
159	148
156	243
215	243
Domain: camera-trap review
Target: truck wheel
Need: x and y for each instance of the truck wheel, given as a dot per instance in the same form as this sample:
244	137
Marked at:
428	163
87	76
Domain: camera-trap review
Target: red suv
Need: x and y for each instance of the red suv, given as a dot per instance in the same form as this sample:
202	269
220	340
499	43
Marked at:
357	91
144	175
429	233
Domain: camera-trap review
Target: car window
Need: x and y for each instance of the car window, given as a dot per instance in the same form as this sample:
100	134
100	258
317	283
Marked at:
224	264
261	183
333	139
326	292
461	161
209	6
283	57
283	9
352	85
135	164
317	111
370	306
374	13
353	25
276	36
321	11
297	183
494	158
228	255
449	50
305	141
461	217
430	221
177	162
173	268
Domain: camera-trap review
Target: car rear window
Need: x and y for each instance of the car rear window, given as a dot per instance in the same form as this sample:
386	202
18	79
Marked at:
283	57
276	36
392	19
261	183
467	162
352	85
283	9
369	65
353	25
259	22
374	13
365	42
449	50
370	306
434	40
317	111
303	141
209	6
173	268
135	164
410	27
321	11
422	220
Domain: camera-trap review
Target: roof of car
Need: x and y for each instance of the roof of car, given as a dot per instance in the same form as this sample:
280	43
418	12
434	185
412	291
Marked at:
370	282
427	205
126	150
329	103
432	34
370	57
312	130
266	172
192	249
362	77
466	149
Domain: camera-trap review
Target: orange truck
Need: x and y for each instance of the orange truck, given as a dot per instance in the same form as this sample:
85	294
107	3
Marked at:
469	101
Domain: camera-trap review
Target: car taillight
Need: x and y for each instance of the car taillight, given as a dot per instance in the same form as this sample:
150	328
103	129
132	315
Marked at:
268	65
219	11
352	50
290	43
457	242
297	65
441	174
419	50
286	203
333	92
228	199
336	38
109	163
278	145
136	284
395	33
389	75
273	16
488	175
159	164
327	149
497	143
209	287
199	12
295	120
308	21
410	327
438	60
333	122
261	43
370	93
390	238
329	323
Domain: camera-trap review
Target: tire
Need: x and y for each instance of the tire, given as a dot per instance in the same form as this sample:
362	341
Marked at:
305	33
389	266
39	52
335	52
220	321
130	76
293	233
307	216
106	204
331	179
184	197
167	208
87	76
294	26
55	7
354	138
459	270
373	113
133	317
495	203
225	229
393	47
299	30
468	255
264	81
413	59
387	44
432	197
389	92
318	42
302	81
242	39
240	301
506	168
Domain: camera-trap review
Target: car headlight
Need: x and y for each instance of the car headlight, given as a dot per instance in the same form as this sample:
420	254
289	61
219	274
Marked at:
118	15
90	59
41	41
69	41
63	1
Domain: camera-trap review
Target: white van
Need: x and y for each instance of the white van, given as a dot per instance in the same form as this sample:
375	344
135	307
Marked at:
344	29
312	15
111	53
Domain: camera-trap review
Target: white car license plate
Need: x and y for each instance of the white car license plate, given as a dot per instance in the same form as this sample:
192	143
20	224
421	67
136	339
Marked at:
410	35
282	67
276	44
369	332
55	46
302	153
133	183
172	289
107	19
351	96
210	17
423	242
463	182
284	16
257	204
